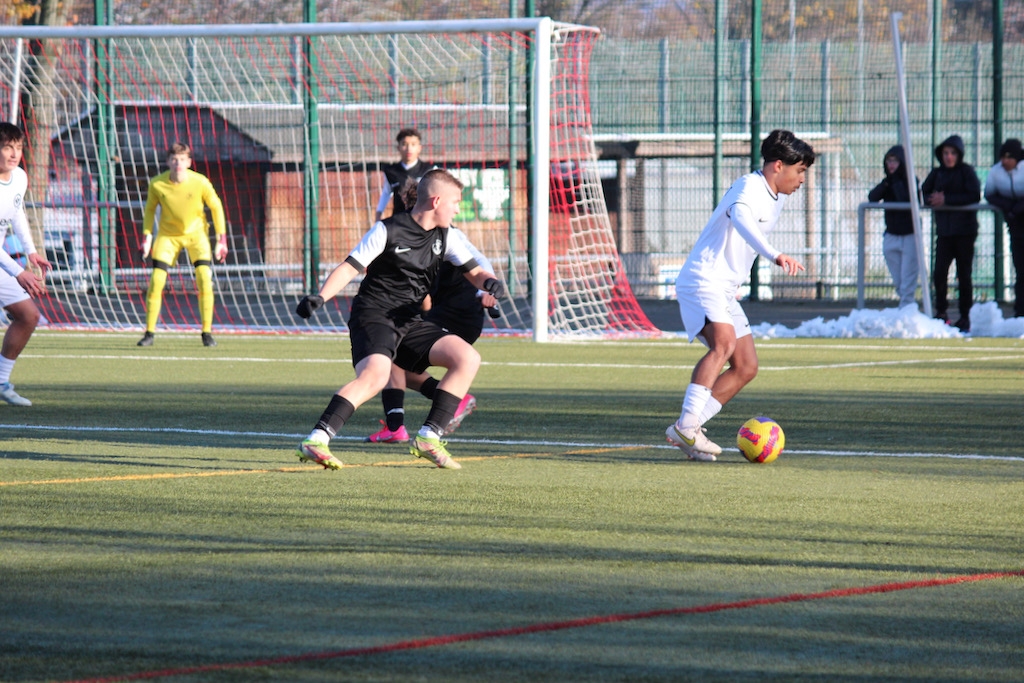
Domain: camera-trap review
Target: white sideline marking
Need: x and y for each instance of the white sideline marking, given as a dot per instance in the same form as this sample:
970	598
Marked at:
500	442
519	364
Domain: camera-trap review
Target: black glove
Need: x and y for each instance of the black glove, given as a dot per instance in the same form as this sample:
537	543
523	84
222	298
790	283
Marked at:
308	304
494	287
494	311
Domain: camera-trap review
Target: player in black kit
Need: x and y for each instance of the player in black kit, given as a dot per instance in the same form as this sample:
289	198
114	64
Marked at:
401	257
411	167
457	306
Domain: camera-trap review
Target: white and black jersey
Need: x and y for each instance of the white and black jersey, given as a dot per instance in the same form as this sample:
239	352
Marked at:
401	261
12	218
395	176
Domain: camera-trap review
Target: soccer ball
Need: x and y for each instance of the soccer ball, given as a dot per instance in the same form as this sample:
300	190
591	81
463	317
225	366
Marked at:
760	439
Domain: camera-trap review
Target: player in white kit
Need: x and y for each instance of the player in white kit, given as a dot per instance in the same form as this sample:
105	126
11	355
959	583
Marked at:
708	283
17	285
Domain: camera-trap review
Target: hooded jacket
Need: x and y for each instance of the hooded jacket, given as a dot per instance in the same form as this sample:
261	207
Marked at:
893	188
1005	189
961	187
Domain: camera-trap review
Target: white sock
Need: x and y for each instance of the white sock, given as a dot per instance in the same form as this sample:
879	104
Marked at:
696	398
428	433
6	365
710	410
319	435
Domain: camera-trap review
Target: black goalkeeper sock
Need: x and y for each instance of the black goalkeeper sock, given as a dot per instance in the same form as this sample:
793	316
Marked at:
338	411
442	410
428	387
394	407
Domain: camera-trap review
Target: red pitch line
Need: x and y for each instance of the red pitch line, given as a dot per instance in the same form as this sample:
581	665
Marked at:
556	626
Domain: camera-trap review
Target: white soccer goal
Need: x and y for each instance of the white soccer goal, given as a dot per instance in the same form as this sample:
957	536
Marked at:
292	124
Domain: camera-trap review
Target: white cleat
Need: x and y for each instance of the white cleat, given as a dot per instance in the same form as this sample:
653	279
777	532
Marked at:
9	395
694	443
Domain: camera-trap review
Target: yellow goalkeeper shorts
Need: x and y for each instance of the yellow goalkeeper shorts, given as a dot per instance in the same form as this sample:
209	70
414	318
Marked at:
197	244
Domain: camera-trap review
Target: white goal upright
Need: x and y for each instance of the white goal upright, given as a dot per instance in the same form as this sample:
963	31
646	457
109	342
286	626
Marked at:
293	123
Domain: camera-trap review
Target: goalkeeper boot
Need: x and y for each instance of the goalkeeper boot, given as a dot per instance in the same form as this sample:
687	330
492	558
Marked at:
318	452
208	339
147	339
434	450
9	395
385	435
693	442
466	406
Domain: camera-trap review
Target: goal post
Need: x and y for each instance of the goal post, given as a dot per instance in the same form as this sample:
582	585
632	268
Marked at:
292	124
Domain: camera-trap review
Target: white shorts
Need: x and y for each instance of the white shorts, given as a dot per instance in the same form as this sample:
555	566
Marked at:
698	305
11	291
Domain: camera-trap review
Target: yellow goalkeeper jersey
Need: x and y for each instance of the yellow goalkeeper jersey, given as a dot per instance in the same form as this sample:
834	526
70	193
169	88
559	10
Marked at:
181	205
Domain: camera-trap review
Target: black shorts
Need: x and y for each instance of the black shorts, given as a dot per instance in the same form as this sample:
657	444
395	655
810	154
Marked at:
371	332
414	350
466	324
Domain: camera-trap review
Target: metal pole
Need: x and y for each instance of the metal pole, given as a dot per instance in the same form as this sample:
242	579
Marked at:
997	76
936	74
107	144
513	156
915	210
539	175
311	157
719	97
755	115
19	52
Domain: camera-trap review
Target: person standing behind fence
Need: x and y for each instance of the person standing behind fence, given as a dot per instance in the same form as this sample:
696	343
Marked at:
1004	189
181	194
898	243
409	143
953	183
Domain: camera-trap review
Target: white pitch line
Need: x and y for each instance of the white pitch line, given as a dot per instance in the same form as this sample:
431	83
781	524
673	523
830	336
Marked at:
499	442
523	364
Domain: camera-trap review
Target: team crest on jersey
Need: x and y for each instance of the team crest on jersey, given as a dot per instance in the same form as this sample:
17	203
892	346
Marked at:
437	246
17	202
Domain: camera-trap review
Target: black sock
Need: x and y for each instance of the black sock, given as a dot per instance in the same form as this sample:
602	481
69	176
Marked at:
442	410
429	387
394	407
338	411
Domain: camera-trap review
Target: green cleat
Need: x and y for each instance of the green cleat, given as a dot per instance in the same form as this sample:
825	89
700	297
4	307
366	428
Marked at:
319	453
433	450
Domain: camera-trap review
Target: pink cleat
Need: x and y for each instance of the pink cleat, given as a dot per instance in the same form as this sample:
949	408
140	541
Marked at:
466	406
385	435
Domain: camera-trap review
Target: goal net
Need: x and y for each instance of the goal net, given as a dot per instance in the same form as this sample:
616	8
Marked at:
293	124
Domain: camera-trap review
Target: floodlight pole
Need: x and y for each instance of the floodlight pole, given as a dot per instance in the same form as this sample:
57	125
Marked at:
915	209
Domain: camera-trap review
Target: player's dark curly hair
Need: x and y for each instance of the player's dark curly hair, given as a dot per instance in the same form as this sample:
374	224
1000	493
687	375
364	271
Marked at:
782	145
408	132
10	133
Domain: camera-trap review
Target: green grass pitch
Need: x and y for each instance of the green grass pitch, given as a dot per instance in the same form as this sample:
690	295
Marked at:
155	522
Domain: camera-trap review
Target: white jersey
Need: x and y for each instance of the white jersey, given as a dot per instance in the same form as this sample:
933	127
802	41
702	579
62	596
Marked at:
12	216
734	236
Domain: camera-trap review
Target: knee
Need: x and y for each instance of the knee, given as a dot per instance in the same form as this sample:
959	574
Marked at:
27	316
467	359
204	279
747	372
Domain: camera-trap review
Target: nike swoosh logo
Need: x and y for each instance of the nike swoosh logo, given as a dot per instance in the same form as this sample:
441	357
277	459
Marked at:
688	442
402	250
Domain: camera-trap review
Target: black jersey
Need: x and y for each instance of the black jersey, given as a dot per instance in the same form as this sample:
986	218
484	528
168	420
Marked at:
401	261
396	175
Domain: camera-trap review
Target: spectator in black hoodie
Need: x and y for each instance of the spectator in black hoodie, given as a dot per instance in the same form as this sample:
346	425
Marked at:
953	183
898	244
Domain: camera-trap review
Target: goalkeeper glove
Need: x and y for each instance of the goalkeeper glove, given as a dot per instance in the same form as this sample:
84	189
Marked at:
494	287
308	304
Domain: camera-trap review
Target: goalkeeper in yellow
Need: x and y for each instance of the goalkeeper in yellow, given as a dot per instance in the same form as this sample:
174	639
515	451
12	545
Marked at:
181	195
